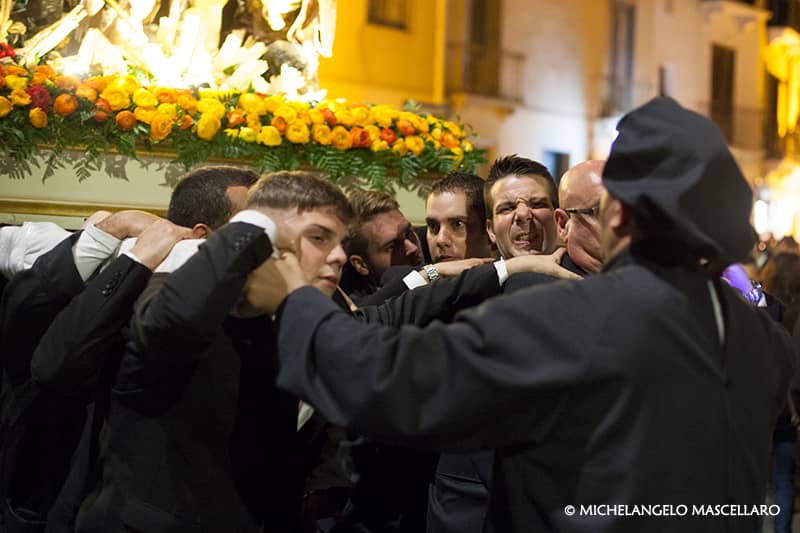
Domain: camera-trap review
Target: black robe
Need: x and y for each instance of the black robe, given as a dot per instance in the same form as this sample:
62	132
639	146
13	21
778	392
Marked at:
611	390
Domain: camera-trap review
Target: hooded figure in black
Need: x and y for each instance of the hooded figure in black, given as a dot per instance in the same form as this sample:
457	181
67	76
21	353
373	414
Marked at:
640	399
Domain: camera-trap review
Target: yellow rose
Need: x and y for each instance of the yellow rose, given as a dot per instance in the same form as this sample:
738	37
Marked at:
321	134
187	103
374	133
382	115
211	107
145	114
160	127
254	122
304	117
345	117
5	106
272	103
231	132
459	156
467	146
37	117
20	98
144	98
399	148
287	113
454	129
297	133
208	126
341	138
415	144
379	145
269	136
421	124
171	110
129	84
360	116
248	135
16	82
116	97
436	133
316	116
252	104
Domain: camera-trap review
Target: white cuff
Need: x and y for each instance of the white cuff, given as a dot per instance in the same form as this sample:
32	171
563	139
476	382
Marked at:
257	218
132	256
414	279
92	248
502	271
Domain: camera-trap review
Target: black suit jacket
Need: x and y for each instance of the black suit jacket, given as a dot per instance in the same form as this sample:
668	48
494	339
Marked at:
36	441
615	389
74	364
197	437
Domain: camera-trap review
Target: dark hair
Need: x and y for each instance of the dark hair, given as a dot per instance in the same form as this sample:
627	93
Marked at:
200	197
302	190
514	165
366	206
470	184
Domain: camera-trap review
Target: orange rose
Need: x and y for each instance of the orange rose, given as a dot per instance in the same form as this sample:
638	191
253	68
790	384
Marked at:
101	110
14	70
126	120
65	104
388	135
160	127
5	106
360	137
45	70
279	123
405	127
38	78
235	118
341	138
208	126
68	83
185	122
187	102
329	117
84	91
166	95
449	140
37	117
98	83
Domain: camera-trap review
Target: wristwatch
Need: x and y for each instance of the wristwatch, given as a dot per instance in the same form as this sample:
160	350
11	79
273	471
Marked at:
431	271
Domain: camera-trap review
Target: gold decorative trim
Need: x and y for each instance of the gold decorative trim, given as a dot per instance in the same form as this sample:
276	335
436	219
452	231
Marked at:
64	209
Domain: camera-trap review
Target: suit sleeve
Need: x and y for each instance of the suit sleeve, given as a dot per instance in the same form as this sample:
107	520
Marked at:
438	300
465	385
31	301
182	318
392	285
72	353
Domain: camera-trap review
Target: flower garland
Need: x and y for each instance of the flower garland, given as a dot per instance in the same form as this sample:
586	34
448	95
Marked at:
371	142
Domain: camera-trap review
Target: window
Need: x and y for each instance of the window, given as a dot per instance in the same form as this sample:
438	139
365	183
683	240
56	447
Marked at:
623	17
723	63
390	13
557	163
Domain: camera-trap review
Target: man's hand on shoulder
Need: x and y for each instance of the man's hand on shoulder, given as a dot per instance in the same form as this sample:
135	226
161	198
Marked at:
448	269
157	240
124	224
549	265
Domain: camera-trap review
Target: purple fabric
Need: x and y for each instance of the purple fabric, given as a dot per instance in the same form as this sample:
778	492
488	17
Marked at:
737	278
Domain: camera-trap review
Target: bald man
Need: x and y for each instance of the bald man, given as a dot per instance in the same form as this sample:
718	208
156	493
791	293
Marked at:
576	219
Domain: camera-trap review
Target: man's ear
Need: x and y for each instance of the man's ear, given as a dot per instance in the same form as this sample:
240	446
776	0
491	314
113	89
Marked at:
490	231
359	264
561	217
201	231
